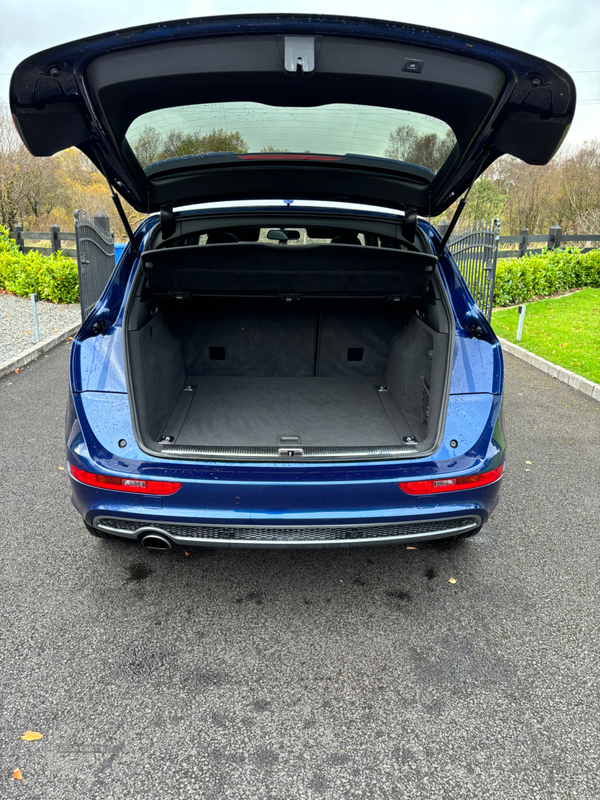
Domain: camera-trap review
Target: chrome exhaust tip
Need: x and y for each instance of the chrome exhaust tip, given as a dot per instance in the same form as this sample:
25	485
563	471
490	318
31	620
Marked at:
154	541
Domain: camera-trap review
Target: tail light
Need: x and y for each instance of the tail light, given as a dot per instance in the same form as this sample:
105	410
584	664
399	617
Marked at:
438	485
134	485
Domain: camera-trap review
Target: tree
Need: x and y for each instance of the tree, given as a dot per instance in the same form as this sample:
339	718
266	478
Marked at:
147	146
28	185
271	149
222	141
400	143
532	194
580	183
427	149
486	201
13	160
176	145
41	191
150	146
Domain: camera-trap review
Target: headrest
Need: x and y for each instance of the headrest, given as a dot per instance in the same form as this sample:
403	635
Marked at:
221	237
345	238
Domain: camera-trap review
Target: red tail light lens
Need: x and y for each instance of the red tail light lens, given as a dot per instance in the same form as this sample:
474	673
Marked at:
135	485
436	486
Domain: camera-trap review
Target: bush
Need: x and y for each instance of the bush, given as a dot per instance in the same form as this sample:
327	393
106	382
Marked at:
52	278
521	279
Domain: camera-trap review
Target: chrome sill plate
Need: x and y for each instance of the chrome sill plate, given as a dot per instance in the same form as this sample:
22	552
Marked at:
282	454
290	536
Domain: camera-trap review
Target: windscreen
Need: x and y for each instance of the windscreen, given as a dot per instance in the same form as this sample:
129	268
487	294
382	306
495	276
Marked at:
336	129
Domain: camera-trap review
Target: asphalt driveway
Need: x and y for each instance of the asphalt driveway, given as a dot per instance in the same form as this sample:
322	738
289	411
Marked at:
304	674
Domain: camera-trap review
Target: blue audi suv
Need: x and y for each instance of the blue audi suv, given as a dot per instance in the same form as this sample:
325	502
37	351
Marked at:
286	354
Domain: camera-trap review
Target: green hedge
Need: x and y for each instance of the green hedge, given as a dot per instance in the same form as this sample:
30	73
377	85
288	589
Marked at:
521	279
517	280
50	277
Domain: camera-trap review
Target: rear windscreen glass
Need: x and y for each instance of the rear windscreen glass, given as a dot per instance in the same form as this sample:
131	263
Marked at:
338	129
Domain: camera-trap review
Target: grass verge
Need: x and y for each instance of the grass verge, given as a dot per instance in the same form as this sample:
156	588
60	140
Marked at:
564	330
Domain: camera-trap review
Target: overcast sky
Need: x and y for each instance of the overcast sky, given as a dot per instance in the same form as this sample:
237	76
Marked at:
565	32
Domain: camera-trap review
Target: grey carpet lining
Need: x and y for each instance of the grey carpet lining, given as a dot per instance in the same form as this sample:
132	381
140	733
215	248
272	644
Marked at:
332	412
179	413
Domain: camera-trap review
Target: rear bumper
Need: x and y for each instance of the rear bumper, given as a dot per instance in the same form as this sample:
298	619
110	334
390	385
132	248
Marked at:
304	521
291	505
268	536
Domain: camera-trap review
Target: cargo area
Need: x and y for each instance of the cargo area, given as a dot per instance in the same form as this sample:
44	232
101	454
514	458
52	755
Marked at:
297	373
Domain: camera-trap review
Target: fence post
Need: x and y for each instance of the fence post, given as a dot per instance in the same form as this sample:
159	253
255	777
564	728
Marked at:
522	310
442	228
525	243
55	238
19	241
101	220
554	237
492	266
80	260
36	322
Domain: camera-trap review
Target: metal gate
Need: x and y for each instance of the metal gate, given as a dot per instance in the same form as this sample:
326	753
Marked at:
475	249
95	257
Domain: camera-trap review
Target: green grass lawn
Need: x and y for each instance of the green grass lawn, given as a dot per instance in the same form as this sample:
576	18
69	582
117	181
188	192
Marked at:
564	330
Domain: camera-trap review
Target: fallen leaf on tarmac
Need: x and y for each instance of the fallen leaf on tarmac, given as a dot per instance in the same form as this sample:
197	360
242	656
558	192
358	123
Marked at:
528	462
527	470
18	775
17	370
520	394
31	736
69	339
452	580
186	553
63	469
408	547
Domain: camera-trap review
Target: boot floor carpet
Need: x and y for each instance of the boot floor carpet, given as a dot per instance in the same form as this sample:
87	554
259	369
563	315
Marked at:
256	412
